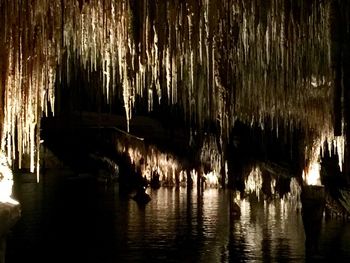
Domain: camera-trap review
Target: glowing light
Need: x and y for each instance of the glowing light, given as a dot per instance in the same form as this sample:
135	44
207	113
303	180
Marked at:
312	174
211	179
150	160
211	158
336	144
253	183
6	182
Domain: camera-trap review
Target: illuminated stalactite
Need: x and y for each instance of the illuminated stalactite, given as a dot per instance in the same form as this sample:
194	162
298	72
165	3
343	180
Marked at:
253	182
220	60
315	151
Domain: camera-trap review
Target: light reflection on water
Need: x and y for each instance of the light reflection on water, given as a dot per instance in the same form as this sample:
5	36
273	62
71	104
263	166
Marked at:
270	231
97	225
201	229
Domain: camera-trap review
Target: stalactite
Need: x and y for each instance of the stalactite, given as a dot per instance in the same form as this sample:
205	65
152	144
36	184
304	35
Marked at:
253	182
150	161
256	61
210	158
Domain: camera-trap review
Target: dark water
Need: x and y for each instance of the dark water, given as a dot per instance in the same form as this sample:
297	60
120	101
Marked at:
76	220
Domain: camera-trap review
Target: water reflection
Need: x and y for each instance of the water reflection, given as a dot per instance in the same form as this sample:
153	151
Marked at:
267	230
178	225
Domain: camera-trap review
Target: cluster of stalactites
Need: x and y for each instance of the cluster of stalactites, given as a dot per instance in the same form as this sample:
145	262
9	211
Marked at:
219	60
335	145
151	163
211	159
29	52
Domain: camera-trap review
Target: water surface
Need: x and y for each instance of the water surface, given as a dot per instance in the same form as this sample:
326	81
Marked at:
70	219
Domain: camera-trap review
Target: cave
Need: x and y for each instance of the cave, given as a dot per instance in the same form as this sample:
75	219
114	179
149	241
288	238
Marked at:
175	130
